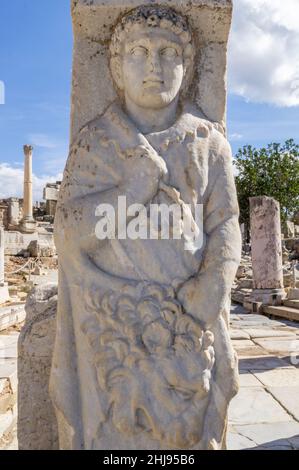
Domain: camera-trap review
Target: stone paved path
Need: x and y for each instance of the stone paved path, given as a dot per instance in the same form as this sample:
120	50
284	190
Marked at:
265	413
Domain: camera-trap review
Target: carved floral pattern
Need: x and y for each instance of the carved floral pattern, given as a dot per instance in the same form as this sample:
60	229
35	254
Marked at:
154	361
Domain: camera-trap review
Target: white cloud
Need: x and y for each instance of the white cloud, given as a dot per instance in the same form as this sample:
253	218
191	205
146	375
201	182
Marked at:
11	182
235	136
264	51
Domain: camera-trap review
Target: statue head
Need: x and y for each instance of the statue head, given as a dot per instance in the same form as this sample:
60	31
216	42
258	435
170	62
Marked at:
152	56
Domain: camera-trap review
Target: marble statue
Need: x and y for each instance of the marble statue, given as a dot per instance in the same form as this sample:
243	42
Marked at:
142	357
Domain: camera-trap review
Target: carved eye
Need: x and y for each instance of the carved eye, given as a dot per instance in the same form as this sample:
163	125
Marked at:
169	52
139	51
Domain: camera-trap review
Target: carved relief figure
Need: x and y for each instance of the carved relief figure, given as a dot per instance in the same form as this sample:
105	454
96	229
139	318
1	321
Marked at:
143	357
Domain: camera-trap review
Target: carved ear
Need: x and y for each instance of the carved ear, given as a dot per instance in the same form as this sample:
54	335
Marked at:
116	71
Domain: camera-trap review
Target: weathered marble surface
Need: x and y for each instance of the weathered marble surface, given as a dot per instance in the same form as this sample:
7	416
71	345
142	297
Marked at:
37	425
142	357
93	21
266	250
8	385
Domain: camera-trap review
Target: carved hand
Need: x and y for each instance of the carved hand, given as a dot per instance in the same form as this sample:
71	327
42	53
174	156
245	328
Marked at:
145	170
186	295
192	296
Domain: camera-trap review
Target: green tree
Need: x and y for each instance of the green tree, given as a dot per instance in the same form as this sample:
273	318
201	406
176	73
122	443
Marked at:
271	171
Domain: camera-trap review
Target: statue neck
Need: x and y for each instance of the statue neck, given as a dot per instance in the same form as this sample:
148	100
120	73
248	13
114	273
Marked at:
152	120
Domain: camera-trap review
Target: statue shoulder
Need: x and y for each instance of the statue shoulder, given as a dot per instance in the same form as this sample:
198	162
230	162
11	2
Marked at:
213	133
90	133
219	143
194	118
112	132
90	151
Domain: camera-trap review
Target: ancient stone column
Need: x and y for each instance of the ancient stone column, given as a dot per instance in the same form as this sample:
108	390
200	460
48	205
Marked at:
28	224
266	250
4	295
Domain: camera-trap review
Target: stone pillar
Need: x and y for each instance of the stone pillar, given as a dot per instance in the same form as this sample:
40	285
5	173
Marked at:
4	295
166	381
37	426
13	213
28	224
51	192
266	250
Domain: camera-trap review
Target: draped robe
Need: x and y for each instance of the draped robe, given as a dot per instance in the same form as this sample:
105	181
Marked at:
190	162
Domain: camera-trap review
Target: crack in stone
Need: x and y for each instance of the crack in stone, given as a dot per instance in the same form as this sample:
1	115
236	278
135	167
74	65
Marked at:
281	404
247	437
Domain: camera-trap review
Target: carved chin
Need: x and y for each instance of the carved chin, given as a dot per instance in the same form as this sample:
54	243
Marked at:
155	99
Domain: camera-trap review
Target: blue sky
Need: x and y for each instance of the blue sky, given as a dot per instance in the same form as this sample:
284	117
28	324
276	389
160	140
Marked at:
35	66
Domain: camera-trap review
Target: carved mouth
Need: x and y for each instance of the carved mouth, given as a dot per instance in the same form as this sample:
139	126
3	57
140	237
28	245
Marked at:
151	82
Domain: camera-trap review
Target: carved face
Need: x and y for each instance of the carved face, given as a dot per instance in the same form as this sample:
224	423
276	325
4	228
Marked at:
152	68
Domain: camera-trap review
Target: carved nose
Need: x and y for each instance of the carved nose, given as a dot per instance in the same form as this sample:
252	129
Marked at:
154	63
